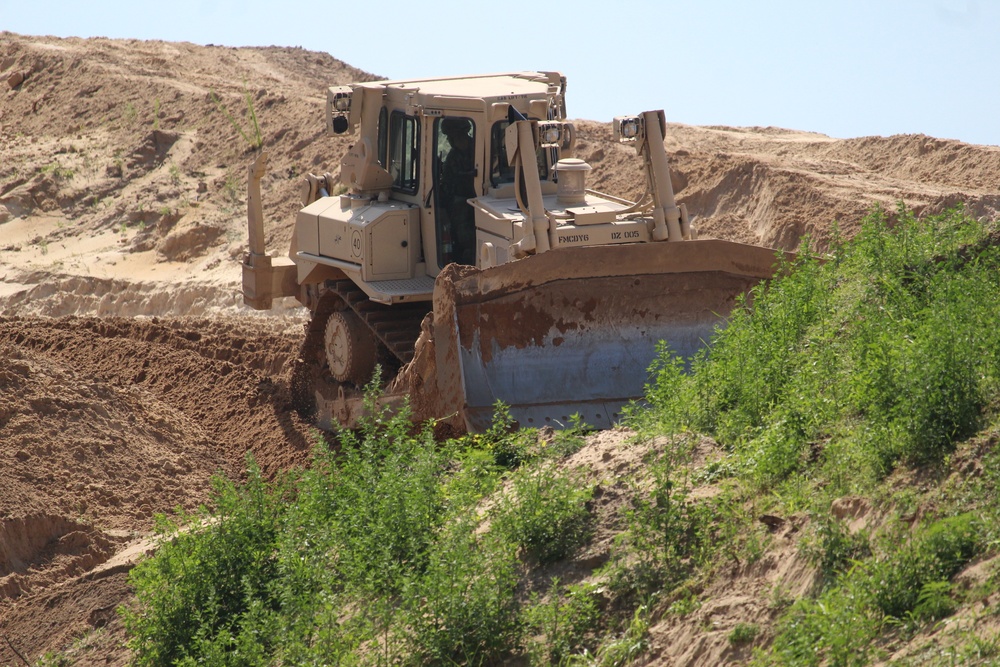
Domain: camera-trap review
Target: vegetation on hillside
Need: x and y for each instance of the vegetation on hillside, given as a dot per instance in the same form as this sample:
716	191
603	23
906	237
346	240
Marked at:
853	374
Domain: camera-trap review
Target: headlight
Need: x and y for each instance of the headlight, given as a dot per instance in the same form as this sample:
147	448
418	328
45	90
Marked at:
342	102
340	124
550	132
627	128
338	109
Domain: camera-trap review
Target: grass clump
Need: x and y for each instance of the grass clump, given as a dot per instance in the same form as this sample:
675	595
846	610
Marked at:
509	445
664	536
743	633
833	547
545	513
561	626
57	171
905	584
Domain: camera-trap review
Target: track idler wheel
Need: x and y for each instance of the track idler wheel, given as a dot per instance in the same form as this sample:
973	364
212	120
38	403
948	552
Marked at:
350	348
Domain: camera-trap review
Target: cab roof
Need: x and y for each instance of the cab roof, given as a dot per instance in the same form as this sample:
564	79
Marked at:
491	88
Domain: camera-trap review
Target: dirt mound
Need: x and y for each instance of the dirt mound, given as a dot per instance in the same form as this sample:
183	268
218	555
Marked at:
139	366
923	159
151	138
108	421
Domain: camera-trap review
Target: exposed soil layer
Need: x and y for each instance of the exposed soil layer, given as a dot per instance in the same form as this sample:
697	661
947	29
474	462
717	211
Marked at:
130	372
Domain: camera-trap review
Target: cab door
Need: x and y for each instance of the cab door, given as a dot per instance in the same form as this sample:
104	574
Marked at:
455	172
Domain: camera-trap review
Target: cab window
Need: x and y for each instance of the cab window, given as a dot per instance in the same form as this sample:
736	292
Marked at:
501	172
383	136
404	152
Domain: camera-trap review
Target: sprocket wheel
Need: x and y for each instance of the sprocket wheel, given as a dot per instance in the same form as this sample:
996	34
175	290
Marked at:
350	348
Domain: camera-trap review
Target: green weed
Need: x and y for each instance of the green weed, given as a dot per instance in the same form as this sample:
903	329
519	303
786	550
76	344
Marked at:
545	513
252	135
620	651
463	609
567	440
58	171
509	445
909	583
561	624
667	536
53	659
684	606
175	174
743	633
836	548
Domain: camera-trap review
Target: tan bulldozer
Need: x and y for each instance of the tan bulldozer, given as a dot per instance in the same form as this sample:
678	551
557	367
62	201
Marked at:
470	262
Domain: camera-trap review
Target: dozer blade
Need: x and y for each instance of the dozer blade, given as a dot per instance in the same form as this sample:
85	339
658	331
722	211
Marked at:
573	331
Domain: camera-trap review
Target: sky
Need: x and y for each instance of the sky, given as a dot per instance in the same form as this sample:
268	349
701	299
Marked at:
845	68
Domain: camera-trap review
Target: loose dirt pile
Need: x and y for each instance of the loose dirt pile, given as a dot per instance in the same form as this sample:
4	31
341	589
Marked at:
130	372
106	422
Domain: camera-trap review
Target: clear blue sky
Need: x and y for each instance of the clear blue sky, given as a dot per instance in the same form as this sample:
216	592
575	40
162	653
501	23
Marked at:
845	68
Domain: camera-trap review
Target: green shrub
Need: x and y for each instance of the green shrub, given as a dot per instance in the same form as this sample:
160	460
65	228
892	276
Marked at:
210	574
510	446
462	609
568	439
743	633
371	554
908	582
934	602
886	351
561	624
385	506
667	534
836	548
618	651
545	513
897	582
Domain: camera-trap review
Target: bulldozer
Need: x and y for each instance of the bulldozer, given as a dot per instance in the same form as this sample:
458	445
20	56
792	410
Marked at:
468	260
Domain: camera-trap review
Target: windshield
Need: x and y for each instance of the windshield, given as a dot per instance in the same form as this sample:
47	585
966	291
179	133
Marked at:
501	172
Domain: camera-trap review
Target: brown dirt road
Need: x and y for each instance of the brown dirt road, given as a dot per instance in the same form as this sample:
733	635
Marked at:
129	372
